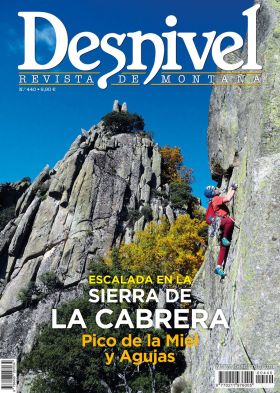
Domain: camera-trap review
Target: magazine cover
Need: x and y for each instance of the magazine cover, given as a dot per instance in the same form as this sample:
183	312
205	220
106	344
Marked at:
139	196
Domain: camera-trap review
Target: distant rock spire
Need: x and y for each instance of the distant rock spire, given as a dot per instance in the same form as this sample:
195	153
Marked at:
124	107
116	106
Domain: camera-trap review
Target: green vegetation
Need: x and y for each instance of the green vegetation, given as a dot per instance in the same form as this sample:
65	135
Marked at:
147	212
178	177
25	295
133	216
65	367
35	292
50	281
180	194
122	122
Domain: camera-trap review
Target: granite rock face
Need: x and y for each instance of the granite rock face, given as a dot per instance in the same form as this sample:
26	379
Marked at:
244	147
69	216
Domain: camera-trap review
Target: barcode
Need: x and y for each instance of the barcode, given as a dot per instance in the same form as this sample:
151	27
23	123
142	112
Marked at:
8	375
244	378
235	376
264	379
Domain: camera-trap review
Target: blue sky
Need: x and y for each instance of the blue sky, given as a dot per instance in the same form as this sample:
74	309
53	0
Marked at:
38	128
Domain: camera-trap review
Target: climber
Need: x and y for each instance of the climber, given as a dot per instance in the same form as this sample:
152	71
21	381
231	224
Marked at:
219	209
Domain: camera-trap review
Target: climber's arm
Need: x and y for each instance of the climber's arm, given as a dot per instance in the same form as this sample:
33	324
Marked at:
230	193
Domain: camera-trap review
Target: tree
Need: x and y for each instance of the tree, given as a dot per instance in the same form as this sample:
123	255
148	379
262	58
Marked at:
123	122
178	177
180	194
65	367
176	249
172	166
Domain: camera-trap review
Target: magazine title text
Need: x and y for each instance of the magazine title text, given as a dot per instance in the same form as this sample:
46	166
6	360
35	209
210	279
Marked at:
165	47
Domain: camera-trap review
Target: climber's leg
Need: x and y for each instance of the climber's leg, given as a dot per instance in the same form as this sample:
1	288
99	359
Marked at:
221	258
227	225
223	253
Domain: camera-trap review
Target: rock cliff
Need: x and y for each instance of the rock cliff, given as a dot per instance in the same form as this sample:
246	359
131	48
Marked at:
244	147
94	198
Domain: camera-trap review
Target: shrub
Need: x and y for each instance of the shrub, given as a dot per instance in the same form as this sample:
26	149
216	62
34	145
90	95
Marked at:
50	281
25	295
122	122
133	216
172	161
147	212
166	249
26	179
180	194
172	166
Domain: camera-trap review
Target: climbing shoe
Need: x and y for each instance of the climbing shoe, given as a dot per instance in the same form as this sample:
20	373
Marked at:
225	242
220	272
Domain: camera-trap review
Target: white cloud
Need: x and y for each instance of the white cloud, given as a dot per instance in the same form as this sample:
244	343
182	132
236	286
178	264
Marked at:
14	42
46	35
